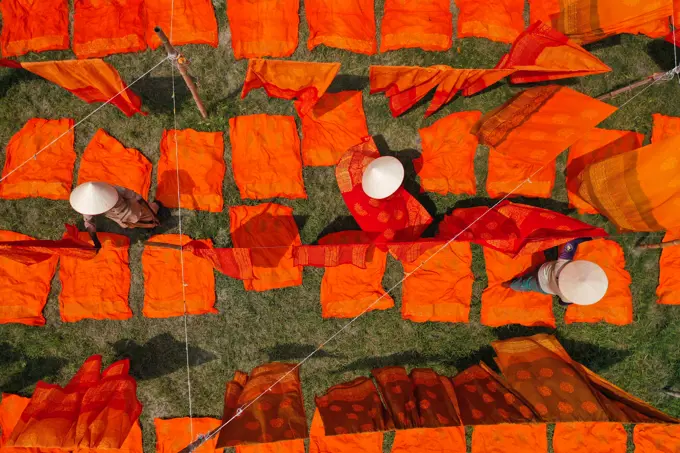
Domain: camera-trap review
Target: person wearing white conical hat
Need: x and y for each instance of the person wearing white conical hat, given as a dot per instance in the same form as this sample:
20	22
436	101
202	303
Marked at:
125	207
577	282
382	177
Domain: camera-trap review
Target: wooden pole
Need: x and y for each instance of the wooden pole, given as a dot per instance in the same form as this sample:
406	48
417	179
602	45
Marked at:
632	86
663	245
182	65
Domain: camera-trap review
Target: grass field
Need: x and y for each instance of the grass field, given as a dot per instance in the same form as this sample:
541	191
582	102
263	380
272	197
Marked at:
253	328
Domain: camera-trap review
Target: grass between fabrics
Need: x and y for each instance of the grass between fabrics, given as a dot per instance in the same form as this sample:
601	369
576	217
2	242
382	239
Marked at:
253	328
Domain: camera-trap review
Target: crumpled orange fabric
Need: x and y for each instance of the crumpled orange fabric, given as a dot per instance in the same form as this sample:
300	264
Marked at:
302	80
505	438
193	22
265	154
426	24
497	20
616	307
502	306
345	443
505	175
446	164
430	440
50	174
543	10
33	26
591	437
163	280
264	28
174	434
346	290
201	170
344	24
102	28
24	289
96	288
668	291
105	159
656	438
270	231
664	126
335	124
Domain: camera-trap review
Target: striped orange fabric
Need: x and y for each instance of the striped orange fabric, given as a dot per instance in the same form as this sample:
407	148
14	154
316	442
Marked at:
656	438
344	24
514	176
193	22
345	443
668	291
510	438
426	24
664	127
430	440
285	446
174	434
497	20
33	26
593	437
265	28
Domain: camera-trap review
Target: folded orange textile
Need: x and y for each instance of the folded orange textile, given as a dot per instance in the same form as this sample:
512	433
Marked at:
11	407
105	159
305	81
50	173
664	127
335	124
97	288
345	443
265	153
502	306
234	262
656	438
540	53
543	10
344	24
596	144
332	255
266	28
174	434
430	440
518	178
616	307
30	26
193	22
426	24
497	20
33	251
102	28
593	437
507	438
346	290
446	163
285	446
270	231
163	292
668	291
201	170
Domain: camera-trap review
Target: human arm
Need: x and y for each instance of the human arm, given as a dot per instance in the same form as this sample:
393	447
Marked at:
91	228
569	249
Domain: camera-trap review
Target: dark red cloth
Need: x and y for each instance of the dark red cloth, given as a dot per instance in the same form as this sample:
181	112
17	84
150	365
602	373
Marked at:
37	251
331	255
232	262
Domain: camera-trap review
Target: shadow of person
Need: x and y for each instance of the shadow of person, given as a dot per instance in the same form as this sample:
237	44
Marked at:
341	223
33	369
167	186
154	93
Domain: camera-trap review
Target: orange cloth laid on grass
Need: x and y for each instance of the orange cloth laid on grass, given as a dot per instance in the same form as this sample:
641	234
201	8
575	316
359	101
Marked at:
174	434
201	170
543	10
345	443
505	175
193	22
656	438
335	124
50	174
426	24
265	154
430	440
664	127
105	159
163	280
265	28
24	289
446	163
102	28
305	81
497	20
285	446
271	232
33	26
668	291
344	24
592	437
96	288
510	438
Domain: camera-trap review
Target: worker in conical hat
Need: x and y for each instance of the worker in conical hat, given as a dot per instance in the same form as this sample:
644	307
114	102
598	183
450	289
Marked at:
578	282
125	207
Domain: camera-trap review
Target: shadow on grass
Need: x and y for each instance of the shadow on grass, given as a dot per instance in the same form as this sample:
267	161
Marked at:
154	93
293	351
342	223
345	82
15	77
662	53
33	370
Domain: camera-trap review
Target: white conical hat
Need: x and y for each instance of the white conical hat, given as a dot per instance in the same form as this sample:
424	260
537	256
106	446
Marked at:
382	177
93	198
582	282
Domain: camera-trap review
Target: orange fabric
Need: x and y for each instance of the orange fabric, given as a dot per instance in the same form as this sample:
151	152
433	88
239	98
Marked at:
33	26
596	144
335	124
162	270
345	443
102	28
265	28
655	438
174	434
446	164
426	24
96	288
286	446
497	20
201	170
593	437
50	174
271	233
543	10
24	289
664	127
504	175
617	305
501	306
507	438
439	286
347	290
193	22
11	408
265	154
345	24
301	80
106	159
668	291
430	440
